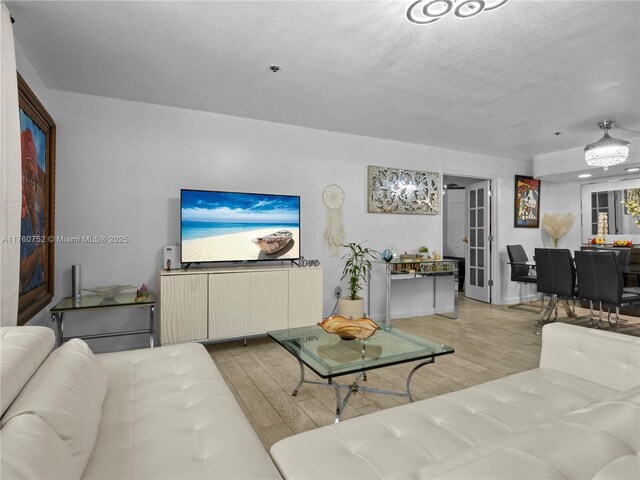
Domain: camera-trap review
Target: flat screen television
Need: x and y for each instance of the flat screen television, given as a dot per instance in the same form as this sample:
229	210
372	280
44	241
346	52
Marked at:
235	226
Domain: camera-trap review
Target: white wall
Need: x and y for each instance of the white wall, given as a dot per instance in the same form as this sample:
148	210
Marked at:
121	164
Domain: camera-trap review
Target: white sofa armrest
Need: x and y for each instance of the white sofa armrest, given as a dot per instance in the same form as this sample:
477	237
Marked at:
606	358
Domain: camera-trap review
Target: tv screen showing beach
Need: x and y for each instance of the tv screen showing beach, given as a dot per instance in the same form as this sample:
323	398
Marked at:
229	226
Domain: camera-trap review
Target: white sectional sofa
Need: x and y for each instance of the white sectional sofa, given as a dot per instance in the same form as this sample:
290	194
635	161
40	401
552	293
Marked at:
155	413
577	416
167	413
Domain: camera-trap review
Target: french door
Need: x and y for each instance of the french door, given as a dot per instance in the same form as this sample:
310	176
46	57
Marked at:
478	280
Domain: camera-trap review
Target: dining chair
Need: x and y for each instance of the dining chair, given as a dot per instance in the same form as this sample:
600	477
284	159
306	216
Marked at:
522	272
600	280
557	278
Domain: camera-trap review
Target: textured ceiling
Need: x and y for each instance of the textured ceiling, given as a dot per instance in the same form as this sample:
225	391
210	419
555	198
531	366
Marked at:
498	84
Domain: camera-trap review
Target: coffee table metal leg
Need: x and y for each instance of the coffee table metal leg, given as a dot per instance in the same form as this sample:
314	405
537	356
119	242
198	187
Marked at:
299	386
414	370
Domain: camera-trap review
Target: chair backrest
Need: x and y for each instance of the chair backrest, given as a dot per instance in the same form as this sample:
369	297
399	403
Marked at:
599	277
517	254
556	273
586	274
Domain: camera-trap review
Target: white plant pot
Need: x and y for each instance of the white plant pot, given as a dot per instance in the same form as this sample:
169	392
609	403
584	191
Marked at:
353	309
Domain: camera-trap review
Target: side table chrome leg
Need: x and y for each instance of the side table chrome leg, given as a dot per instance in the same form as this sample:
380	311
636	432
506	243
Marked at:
299	386
152	313
57	317
414	370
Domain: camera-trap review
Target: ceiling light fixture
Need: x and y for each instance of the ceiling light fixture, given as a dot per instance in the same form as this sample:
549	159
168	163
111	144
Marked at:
632	169
423	12
607	151
584	175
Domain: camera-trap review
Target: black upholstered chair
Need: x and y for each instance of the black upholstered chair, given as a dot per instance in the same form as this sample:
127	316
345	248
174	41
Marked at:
557	278
600	280
522	271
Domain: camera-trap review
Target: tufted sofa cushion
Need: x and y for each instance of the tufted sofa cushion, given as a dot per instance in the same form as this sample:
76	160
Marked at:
398	442
169	414
66	392
601	441
22	350
32	450
605	358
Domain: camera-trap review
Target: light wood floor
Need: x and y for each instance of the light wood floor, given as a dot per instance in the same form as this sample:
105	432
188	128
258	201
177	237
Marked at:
490	342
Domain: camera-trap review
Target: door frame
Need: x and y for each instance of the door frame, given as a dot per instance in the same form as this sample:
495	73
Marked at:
494	256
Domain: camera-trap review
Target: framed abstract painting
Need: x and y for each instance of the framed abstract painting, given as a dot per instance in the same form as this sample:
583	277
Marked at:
527	202
37	215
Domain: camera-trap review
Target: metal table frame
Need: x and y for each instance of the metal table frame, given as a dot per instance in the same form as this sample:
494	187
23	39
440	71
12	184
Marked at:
58	317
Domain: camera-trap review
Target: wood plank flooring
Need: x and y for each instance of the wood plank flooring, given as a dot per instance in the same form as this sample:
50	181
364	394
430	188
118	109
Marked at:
490	342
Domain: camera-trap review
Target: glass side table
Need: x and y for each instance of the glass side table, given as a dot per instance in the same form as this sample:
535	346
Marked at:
95	302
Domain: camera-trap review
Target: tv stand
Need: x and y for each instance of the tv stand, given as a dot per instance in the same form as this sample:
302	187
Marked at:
237	302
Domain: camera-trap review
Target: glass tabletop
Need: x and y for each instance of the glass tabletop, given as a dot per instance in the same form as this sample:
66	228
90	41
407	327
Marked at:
330	356
95	301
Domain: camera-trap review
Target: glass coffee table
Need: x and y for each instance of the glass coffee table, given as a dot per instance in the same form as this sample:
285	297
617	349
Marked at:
329	356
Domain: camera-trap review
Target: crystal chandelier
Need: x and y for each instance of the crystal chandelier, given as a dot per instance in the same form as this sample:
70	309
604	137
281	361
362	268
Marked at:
423	12
607	151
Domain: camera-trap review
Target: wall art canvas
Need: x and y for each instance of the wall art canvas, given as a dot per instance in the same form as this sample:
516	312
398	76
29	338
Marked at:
37	140
397	190
527	202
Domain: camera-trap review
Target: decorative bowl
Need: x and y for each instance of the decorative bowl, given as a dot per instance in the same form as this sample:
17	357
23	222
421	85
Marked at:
350	329
109	292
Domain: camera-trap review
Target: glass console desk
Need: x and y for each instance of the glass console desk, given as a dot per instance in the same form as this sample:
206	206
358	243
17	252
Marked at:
414	269
94	302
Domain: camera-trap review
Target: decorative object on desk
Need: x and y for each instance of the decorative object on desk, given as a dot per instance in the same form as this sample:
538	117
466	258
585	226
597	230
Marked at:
387	255
394	251
527	202
109	292
406	257
333	197
632	204
356	269
557	225
436	256
38	154
423	249
142	293
349	329
397	190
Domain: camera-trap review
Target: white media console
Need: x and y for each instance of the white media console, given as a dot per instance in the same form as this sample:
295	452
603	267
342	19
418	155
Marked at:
236	302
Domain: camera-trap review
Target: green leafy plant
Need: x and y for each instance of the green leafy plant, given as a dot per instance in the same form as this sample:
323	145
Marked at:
357	267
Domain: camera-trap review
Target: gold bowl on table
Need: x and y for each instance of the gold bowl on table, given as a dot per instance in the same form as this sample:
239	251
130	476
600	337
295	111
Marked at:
349	329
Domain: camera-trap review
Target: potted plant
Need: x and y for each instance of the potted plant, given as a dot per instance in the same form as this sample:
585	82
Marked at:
356	270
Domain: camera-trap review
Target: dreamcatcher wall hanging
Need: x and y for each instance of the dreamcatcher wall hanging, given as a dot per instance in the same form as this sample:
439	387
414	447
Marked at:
333	197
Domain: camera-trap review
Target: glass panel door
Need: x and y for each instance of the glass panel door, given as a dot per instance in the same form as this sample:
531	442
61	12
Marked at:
479	248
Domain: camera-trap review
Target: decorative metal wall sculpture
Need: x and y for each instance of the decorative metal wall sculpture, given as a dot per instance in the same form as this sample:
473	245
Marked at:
396	190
